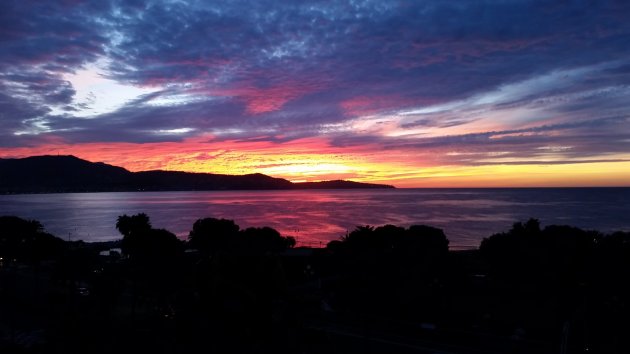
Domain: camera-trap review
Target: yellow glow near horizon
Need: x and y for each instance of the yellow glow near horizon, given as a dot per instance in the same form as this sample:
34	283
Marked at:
599	174
312	160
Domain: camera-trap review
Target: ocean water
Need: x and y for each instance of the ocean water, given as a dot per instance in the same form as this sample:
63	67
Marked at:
315	217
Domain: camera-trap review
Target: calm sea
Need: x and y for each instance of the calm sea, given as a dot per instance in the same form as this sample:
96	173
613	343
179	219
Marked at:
315	217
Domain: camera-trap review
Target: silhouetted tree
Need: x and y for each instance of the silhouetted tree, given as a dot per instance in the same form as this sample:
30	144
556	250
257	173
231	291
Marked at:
391	270
570	251
512	253
360	238
210	234
142	242
556	253
413	242
26	240
265	239
134	229
424	247
612	263
129	225
427	236
161	244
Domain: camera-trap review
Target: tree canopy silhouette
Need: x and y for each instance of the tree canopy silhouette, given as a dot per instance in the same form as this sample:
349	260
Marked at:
557	251
26	240
266	239
413	241
142	242
212	235
134	224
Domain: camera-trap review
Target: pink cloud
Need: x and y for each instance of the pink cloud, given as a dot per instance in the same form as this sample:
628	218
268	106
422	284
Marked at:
265	99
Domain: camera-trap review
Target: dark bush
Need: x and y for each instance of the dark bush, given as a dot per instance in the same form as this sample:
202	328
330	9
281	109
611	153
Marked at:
25	240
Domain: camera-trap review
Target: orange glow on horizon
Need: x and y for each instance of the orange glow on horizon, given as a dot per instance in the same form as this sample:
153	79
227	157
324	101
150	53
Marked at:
314	159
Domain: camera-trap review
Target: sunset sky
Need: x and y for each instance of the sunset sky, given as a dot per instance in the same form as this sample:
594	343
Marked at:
411	93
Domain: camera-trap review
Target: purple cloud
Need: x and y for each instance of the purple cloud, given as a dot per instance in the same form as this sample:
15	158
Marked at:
279	71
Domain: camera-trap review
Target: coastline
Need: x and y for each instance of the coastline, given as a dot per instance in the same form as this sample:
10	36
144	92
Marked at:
466	215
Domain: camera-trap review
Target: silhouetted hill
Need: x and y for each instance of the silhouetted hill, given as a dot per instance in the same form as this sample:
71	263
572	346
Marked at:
175	180
48	174
338	184
40	174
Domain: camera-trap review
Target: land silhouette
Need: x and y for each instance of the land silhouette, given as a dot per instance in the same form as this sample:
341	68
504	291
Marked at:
557	289
60	174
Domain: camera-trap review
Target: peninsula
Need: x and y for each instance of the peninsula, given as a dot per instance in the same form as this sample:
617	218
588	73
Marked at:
69	174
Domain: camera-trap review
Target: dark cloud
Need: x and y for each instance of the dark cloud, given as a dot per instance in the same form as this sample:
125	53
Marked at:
47	33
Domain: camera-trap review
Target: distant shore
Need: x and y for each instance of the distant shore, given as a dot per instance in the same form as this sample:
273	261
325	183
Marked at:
70	174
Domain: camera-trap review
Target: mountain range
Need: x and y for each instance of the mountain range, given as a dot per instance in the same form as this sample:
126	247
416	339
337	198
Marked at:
65	174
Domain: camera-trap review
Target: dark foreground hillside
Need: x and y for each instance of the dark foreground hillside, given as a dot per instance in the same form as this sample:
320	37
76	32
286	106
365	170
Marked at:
387	289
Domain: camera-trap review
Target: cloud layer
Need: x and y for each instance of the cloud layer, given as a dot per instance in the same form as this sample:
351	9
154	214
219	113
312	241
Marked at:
421	84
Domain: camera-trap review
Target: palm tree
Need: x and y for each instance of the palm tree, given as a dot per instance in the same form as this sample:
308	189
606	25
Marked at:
133	228
128	225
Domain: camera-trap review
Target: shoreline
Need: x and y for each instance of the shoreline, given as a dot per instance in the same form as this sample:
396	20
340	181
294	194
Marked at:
321	189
